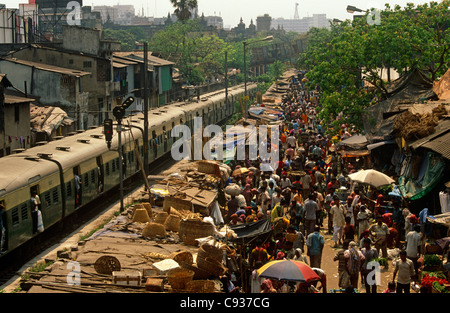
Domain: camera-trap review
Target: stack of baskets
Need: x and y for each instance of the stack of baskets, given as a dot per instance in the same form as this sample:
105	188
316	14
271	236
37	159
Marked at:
179	277
209	259
191	229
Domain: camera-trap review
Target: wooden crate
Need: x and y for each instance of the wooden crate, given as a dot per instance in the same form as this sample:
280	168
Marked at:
154	284
127	278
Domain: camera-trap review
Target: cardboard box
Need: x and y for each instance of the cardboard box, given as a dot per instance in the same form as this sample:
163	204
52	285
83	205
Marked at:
164	266
127	278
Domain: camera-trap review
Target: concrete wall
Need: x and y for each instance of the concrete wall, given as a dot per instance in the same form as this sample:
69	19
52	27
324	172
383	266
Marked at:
17	134
81	39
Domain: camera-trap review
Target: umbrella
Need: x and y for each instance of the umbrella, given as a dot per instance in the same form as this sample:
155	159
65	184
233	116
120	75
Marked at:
233	190
371	177
288	270
240	171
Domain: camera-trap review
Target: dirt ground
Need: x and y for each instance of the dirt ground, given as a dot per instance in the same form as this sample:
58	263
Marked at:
331	267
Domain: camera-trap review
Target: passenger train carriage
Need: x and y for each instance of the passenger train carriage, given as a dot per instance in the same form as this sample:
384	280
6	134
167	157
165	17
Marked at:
50	169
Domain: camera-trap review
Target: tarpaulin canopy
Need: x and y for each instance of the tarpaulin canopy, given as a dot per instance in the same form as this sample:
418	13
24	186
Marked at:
249	231
432	170
402	93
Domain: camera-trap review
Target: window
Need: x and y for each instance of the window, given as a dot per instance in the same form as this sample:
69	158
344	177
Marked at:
87	64
107	169
24	212
86	180
113	166
92	177
55	195
69	189
48	200
71	61
15	216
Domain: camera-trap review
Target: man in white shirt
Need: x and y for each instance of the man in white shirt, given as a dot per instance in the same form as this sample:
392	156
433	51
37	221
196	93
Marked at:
413	242
406	273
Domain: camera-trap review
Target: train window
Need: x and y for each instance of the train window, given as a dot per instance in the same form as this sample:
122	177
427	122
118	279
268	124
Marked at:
107	169
15	216
113	166
55	195
69	189
86	180
24	212
93	177
48	200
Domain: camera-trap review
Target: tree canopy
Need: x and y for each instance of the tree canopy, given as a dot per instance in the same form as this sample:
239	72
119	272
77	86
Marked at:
350	56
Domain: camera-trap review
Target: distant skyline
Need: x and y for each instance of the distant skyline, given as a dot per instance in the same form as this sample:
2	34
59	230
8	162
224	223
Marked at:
232	10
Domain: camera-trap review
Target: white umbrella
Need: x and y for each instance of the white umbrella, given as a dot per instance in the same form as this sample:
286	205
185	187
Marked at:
371	177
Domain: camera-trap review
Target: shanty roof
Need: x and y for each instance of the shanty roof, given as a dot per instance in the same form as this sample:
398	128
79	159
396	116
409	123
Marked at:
139	55
48	68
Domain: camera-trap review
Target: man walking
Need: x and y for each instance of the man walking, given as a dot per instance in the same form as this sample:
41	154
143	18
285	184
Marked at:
315	243
413	241
406	273
337	212
380	231
310	215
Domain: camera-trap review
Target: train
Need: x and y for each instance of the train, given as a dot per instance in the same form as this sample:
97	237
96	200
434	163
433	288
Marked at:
71	172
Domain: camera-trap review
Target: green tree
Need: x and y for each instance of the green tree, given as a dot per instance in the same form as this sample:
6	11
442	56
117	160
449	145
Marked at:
342	60
183	7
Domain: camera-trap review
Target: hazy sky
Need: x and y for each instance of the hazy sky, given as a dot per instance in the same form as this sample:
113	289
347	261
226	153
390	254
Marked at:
232	10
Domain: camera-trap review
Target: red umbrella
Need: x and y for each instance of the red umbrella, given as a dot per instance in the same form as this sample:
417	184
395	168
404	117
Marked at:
288	270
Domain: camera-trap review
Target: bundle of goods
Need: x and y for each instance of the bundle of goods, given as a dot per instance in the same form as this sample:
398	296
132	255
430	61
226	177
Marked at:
415	126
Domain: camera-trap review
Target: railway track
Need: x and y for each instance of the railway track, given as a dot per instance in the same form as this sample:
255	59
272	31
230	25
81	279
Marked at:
11	263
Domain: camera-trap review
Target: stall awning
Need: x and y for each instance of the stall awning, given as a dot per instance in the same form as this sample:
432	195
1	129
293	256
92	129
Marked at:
354	153
380	144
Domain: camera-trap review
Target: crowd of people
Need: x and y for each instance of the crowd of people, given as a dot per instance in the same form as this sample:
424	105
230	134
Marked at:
307	195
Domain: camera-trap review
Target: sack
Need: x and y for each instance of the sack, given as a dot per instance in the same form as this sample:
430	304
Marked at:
40	222
344	280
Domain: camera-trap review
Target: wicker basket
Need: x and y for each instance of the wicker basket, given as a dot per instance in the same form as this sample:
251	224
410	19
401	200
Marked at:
154	229
179	277
182	257
173	223
198	272
200	286
148	207
192	229
141	216
161	217
291	237
207	250
211	266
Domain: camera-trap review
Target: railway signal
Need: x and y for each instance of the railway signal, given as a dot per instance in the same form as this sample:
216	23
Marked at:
108	130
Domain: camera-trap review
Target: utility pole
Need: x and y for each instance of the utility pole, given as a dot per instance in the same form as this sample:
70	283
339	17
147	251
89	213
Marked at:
145	82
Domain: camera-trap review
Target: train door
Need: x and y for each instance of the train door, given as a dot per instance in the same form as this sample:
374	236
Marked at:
78	186
100	174
154	145
35	202
164	138
3	228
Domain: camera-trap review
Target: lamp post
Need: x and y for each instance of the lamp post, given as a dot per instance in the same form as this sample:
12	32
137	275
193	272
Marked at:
268	38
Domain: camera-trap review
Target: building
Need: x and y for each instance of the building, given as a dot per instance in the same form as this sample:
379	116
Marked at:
302	25
14	120
82	50
50	85
263	23
161	82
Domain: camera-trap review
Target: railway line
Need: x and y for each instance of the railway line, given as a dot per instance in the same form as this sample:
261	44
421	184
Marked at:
50	170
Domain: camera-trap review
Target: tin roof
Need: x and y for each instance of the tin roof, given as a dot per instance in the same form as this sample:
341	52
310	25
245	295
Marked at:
49	68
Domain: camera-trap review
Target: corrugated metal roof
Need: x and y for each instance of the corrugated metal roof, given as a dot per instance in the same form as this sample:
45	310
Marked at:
440	144
442	127
49	68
